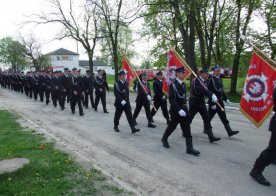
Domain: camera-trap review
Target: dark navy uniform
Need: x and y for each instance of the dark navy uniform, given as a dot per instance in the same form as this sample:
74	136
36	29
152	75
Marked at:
197	103
54	89
41	87
76	87
35	86
215	85
30	85
160	99
64	82
143	92
268	156
88	91
179	114
101	87
48	87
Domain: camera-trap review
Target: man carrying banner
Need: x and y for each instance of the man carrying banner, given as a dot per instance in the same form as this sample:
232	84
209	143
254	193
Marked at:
268	156
160	99
197	102
122	104
179	112
143	99
215	85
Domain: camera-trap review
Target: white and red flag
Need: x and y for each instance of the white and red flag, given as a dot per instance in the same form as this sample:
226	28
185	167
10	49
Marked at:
128	69
257	102
174	62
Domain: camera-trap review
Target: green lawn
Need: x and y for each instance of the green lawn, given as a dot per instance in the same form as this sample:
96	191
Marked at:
50	171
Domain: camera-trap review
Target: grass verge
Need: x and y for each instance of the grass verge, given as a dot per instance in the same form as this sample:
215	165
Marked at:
50	171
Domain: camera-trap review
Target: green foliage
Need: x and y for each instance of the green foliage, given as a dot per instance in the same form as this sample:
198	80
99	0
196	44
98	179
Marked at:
50	171
12	53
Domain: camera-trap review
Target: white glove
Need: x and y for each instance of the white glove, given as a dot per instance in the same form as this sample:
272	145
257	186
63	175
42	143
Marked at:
164	97
123	102
214	98
228	102
149	97
182	113
213	107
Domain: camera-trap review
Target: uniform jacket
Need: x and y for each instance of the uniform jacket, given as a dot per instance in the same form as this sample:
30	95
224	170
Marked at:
177	97
100	85
158	90
199	90
121	92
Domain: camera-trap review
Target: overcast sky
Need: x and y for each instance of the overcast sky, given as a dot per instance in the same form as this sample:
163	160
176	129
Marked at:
14	12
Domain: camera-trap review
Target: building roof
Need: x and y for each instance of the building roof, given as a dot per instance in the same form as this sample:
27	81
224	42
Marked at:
62	51
84	63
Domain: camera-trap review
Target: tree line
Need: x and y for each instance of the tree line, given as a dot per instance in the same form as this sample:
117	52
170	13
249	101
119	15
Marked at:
205	32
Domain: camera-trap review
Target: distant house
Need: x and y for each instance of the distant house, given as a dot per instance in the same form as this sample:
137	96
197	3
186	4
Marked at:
61	58
96	66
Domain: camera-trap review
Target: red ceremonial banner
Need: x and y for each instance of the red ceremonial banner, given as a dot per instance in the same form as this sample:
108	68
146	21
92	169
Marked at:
130	75
257	102
174	62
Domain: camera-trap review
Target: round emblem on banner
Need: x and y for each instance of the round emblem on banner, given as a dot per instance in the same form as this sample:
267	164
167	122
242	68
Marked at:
256	88
170	74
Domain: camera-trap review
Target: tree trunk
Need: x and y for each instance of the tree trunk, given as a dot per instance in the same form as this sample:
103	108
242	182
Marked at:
188	41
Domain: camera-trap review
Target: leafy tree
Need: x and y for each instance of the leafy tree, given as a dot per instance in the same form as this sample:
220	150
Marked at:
12	53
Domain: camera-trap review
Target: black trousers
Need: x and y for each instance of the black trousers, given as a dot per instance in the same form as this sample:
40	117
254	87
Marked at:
62	98
47	95
26	89
89	95
73	101
41	94
268	156
164	108
30	92
35	91
101	96
68	95
54	95
118	113
139	104
222	114
202	110
175	120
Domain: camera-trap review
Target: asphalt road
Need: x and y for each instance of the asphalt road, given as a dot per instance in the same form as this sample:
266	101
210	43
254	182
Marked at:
139	162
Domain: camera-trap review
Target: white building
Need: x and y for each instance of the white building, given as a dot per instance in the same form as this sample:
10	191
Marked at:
62	58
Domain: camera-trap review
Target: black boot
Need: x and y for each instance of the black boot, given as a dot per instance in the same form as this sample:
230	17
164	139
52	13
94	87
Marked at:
165	143
274	162
190	148
229	131
116	129
151	125
105	111
134	130
212	138
258	176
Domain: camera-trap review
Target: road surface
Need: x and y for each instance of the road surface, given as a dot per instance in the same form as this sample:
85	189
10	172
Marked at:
139	162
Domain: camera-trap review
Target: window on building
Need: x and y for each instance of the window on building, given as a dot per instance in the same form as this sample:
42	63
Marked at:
65	58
